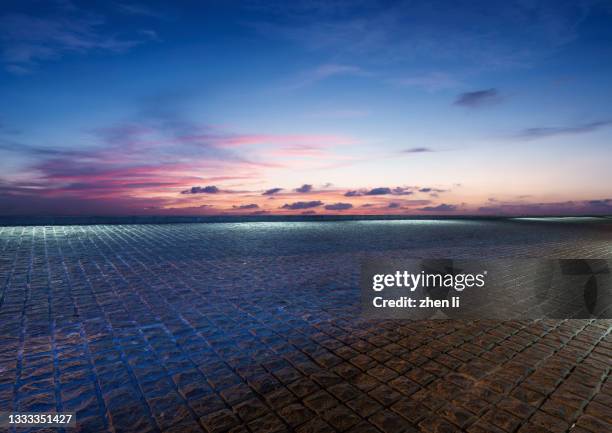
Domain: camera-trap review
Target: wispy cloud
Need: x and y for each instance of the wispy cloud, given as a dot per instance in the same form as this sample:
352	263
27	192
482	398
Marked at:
26	40
417	150
302	205
431	82
478	98
429	189
249	206
290	141
382	190
271	191
339	114
140	9
544	132
570	207
512	34
158	151
440	208
326	71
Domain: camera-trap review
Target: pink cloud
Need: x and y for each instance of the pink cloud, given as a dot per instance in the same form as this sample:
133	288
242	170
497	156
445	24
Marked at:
313	141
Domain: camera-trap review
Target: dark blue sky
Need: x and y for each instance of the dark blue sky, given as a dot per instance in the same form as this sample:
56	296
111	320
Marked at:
464	107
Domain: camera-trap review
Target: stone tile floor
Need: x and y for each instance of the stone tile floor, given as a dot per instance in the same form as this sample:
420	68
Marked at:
160	329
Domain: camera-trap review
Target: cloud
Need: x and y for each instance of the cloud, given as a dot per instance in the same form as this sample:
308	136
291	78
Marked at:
379	191
271	191
478	36
297	141
149	154
431	82
325	71
304	188
140	10
415	202
570	207
159	152
338	206
302	205
26	40
440	208
394	205
340	114
435	190
202	190
600	203
544	132
401	191
246	206
417	150
478	98
353	194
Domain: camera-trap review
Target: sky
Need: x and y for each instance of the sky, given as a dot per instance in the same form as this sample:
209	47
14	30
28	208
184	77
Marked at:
306	107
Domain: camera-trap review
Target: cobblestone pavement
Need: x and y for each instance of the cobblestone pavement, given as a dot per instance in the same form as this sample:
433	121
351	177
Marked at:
221	327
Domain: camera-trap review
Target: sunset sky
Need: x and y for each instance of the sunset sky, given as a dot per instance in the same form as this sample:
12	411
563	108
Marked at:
326	107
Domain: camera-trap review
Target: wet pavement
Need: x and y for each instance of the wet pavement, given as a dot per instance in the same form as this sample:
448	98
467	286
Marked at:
256	327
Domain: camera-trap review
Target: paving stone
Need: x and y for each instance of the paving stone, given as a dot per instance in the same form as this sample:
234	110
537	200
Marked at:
389	422
250	409
436	424
205	405
295	414
557	409
320	401
549	422
364	406
404	385
303	387
533	428
267	424
169	411
502	419
600	411
341	417
363	362
482	426
130	419
180	327
411	410
344	392
185	427
279	398
315	425
219	421
364	427
516	407
382	373
594	424
365	382
385	395
457	415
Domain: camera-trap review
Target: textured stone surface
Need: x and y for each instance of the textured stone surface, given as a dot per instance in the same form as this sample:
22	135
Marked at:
243	327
